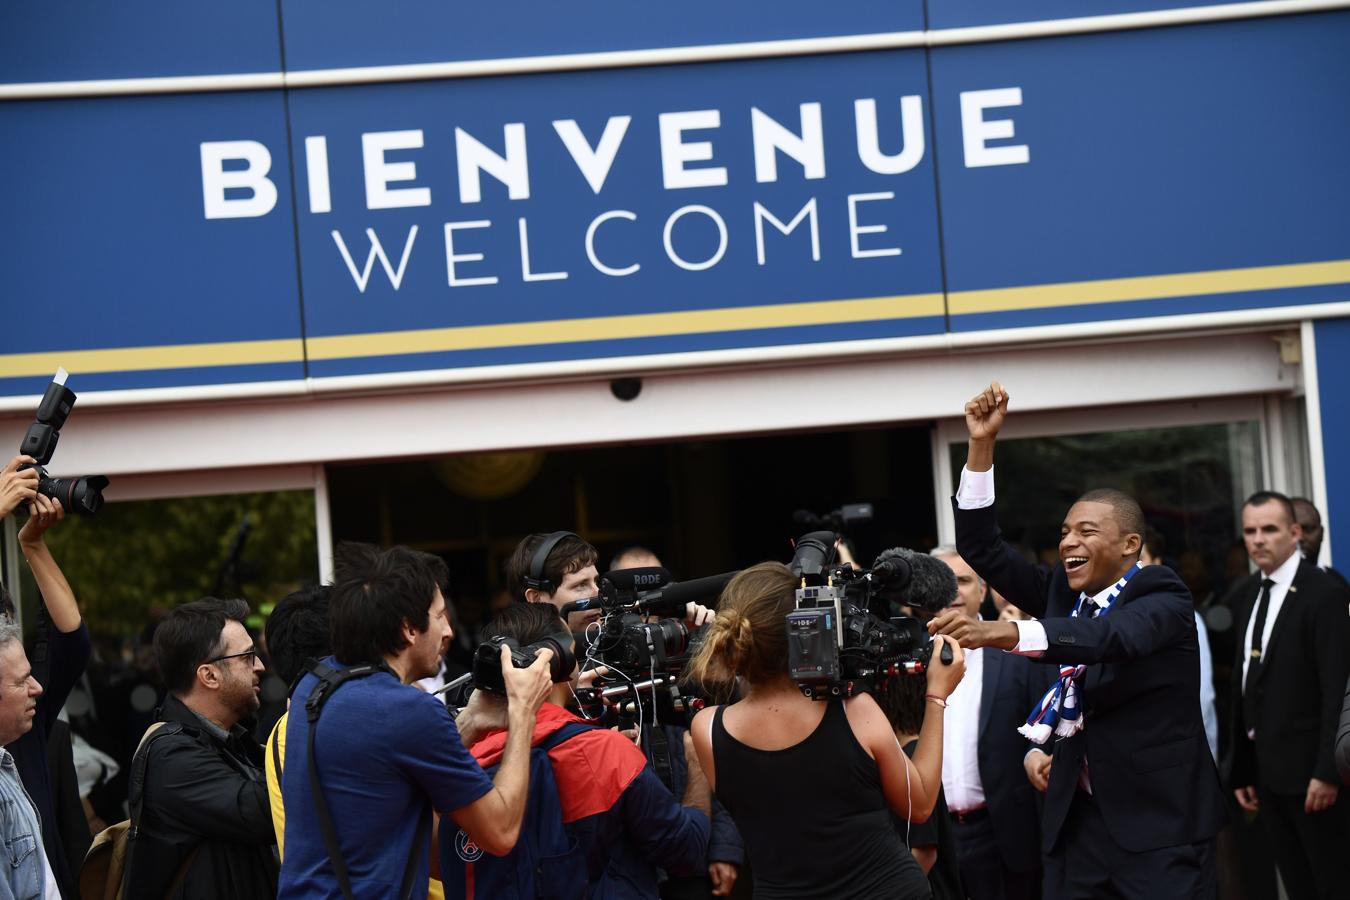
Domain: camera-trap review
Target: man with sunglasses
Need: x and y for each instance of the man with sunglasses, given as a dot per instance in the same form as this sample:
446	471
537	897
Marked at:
204	828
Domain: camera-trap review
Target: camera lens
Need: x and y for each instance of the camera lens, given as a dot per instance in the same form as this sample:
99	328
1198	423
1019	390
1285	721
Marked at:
83	496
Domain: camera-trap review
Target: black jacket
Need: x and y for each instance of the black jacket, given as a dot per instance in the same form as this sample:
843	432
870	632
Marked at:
1011	686
1144	739
202	793
1300	686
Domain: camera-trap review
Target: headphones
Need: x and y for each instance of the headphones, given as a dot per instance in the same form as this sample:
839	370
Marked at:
535	577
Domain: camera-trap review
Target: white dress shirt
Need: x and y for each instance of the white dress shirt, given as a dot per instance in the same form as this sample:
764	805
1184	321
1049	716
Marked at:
960	739
1283	578
976	491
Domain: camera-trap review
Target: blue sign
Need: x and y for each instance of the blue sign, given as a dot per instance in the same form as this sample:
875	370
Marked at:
261	236
969	13
60	40
104	241
338	33
1225	177
524	219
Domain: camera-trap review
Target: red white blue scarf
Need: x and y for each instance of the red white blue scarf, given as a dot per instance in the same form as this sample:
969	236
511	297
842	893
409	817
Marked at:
1058	712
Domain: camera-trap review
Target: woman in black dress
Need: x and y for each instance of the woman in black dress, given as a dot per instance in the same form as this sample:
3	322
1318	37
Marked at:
811	784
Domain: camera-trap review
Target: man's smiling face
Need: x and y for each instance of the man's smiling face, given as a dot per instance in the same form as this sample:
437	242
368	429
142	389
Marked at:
1094	551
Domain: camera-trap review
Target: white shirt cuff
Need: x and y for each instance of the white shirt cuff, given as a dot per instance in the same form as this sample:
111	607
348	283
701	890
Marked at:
1031	638
976	490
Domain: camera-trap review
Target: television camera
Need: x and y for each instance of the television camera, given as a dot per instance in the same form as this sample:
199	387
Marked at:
841	638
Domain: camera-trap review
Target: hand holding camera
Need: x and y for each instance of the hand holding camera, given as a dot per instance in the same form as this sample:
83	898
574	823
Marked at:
17	485
528	688
43	513
943	676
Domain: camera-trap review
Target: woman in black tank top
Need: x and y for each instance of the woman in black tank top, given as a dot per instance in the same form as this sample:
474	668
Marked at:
811	784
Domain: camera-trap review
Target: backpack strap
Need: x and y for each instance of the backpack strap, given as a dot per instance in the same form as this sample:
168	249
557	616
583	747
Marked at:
139	760
658	745
276	750
565	733
330	680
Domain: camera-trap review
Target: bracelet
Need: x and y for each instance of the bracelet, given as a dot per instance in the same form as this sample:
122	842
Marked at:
936	699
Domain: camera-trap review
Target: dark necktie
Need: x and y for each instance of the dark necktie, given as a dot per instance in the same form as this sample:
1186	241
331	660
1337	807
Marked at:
1254	666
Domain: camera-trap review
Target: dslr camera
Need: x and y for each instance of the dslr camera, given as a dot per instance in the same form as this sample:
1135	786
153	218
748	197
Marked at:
841	639
487	660
83	495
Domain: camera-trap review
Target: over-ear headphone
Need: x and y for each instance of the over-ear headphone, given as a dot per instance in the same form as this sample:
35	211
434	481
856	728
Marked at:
535	577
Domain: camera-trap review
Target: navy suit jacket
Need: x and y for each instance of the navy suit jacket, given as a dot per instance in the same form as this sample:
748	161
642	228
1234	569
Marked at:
1010	687
1144	739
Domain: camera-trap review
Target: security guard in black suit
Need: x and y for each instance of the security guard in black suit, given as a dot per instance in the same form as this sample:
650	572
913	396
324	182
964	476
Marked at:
1294	643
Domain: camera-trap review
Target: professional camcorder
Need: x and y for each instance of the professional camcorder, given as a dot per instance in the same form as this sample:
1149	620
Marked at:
843	519
79	495
644	657
841	638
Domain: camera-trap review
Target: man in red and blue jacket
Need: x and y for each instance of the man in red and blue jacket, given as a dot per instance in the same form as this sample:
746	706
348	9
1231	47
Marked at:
613	804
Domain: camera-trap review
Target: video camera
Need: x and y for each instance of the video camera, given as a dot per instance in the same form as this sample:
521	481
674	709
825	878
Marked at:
838	645
840	520
82	495
643	657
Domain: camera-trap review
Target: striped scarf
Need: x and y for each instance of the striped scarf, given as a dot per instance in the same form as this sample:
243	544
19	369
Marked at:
1058	712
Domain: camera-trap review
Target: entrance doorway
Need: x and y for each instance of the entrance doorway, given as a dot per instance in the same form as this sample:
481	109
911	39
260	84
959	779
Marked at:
703	506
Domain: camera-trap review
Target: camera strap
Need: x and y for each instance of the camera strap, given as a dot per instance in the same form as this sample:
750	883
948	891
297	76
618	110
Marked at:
330	679
658	751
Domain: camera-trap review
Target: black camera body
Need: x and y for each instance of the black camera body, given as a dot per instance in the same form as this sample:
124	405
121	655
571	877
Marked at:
83	495
628	644
645	658
487	660
837	645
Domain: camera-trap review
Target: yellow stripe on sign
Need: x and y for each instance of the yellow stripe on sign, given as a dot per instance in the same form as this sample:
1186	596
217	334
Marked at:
604	328
1149	287
139	359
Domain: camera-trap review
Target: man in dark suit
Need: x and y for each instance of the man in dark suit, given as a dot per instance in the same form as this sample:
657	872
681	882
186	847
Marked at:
1294	644
1310	541
1134	799
995	821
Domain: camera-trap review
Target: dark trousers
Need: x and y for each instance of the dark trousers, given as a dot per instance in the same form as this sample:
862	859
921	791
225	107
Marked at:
983	873
1087	864
1312	851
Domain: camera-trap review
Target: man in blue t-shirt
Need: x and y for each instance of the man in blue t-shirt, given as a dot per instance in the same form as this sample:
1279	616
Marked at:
384	750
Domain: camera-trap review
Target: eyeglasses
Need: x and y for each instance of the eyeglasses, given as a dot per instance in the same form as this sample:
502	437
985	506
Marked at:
249	655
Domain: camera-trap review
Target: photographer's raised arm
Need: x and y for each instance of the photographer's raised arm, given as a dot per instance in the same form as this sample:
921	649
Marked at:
978	538
493	821
911	786
44	512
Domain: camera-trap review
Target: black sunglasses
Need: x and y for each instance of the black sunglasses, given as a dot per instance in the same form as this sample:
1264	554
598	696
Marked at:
250	654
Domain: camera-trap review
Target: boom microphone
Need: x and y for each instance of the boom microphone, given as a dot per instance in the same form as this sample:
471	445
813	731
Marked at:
627	581
915	579
675	597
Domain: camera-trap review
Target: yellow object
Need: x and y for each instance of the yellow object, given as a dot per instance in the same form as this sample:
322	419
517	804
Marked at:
278	738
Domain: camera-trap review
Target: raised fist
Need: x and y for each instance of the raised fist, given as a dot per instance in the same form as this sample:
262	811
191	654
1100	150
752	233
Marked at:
986	411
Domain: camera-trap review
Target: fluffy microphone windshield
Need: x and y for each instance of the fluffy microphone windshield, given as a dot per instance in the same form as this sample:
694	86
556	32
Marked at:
916	579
